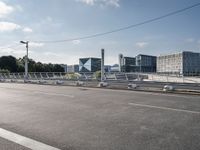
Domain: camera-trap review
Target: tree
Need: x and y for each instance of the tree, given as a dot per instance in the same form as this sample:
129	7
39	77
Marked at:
9	63
58	68
12	64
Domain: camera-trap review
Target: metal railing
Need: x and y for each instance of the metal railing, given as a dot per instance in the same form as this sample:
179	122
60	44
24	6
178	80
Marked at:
107	76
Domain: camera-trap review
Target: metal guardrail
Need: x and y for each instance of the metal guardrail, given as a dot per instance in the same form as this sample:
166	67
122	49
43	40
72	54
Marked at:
91	76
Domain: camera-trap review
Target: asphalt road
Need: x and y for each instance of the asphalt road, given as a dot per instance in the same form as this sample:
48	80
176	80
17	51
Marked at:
72	118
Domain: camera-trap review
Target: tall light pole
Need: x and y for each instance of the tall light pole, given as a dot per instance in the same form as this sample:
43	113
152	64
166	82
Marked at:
26	59
102	65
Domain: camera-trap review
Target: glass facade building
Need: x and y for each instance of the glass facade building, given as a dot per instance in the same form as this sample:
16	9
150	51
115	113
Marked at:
89	64
72	68
126	64
146	63
129	64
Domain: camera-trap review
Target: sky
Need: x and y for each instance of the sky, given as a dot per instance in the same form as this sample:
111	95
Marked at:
38	21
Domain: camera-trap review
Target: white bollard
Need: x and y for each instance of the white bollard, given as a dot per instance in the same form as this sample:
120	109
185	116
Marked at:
103	84
132	86
168	88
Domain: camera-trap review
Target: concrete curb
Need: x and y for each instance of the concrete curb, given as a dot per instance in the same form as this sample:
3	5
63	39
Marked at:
140	89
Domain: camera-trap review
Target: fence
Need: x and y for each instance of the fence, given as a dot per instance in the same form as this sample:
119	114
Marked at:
107	76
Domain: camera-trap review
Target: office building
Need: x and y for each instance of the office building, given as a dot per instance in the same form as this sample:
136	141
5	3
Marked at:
114	68
126	64
183	63
145	63
89	64
72	68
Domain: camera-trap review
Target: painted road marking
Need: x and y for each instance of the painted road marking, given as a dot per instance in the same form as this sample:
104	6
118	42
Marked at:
165	108
24	141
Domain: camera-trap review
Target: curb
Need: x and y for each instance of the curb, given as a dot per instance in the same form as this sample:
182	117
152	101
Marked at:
157	90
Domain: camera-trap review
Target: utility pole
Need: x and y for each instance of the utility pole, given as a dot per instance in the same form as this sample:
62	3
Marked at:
26	59
102	65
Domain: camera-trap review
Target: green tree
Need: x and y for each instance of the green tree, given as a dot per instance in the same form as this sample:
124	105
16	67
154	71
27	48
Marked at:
8	63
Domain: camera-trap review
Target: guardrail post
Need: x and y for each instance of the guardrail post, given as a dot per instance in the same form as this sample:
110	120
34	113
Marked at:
115	76
126	76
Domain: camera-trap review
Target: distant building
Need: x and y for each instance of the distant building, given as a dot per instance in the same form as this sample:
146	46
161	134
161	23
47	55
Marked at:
72	68
145	63
114	68
126	64
183	63
129	64
107	68
89	64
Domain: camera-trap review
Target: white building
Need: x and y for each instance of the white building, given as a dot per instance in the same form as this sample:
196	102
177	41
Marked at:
183	63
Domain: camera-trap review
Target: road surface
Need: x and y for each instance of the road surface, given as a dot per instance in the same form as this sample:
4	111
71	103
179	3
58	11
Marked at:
72	118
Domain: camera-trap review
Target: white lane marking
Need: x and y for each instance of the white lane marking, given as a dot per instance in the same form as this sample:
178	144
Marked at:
147	93
165	108
54	94
24	141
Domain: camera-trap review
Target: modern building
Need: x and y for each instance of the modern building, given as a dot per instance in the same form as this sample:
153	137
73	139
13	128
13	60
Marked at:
126	64
107	68
72	68
145	63
114	68
89	64
183	63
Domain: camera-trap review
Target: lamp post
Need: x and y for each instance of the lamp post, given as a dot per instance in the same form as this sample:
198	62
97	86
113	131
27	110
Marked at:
26	59
102	65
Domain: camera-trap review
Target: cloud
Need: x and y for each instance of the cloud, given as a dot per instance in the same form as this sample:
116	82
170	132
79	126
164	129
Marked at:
27	30
190	40
113	3
76	42
34	44
8	26
11	26
52	54
141	44
15	51
88	2
5	9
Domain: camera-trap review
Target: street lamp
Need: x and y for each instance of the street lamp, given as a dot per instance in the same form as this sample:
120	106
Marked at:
26	59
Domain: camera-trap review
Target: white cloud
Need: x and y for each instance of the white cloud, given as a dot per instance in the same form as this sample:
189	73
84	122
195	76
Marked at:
88	2
52	54
11	26
34	44
76	42
114	3
27	30
190	40
5	9
141	44
17	51
8	26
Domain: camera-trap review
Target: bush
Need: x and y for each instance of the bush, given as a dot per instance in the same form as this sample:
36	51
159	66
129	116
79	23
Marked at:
73	76
4	71
97	74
